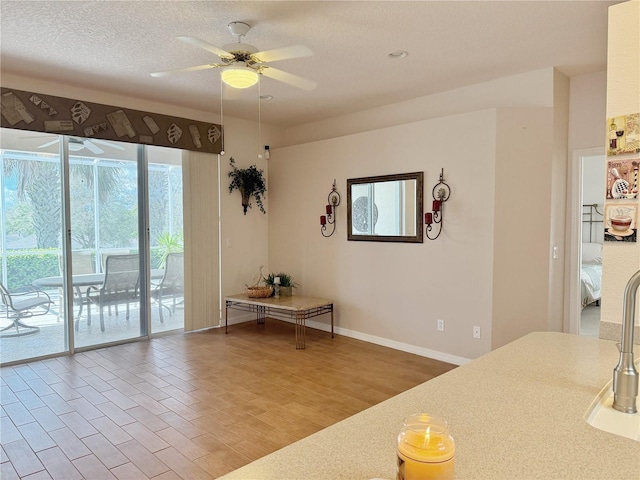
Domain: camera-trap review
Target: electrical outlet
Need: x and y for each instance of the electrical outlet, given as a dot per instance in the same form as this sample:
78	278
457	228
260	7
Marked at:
440	325
476	332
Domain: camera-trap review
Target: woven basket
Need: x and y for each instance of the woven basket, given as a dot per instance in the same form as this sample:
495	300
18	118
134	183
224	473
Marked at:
259	292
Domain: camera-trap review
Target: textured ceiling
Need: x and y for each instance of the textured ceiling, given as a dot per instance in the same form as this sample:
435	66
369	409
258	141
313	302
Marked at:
113	46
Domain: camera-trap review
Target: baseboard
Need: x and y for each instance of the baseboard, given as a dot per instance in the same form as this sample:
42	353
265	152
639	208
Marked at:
365	337
245	317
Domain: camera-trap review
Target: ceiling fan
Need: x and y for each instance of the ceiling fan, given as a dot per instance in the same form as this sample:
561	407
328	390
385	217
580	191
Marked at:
242	63
76	144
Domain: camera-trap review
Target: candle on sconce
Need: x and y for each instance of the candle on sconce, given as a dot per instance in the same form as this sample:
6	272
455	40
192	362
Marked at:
276	281
428	218
329	210
436	205
323	220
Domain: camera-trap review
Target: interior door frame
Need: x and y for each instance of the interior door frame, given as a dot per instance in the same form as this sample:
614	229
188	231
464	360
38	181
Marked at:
572	301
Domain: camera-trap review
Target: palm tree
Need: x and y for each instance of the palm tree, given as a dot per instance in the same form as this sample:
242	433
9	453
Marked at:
39	182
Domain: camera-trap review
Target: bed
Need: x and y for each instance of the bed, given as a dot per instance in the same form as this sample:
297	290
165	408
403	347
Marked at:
591	274
591	254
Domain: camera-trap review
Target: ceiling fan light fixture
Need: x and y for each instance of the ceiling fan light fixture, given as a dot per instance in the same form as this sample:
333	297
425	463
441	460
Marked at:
238	76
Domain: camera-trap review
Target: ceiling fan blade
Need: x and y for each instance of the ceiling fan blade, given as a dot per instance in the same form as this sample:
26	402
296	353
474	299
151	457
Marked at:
196	42
108	144
186	69
284	53
289	78
48	144
92	146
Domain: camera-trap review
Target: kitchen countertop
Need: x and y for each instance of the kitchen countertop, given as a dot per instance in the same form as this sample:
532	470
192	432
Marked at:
515	413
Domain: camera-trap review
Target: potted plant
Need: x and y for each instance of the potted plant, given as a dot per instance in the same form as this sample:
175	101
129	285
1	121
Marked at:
287	284
250	182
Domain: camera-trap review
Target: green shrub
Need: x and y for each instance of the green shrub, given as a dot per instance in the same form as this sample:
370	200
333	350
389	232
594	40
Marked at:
24	268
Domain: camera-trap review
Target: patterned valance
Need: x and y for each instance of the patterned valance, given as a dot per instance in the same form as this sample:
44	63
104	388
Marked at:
46	113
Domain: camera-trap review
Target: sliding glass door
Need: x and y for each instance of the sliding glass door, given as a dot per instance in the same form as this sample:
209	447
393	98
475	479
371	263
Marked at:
105	244
121	285
166	238
31	232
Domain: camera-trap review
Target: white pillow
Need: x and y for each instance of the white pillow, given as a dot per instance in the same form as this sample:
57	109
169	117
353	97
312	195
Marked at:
592	253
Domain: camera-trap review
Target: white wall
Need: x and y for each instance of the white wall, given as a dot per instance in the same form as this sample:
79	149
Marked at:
394	291
587	108
620	259
558	207
523	205
530	89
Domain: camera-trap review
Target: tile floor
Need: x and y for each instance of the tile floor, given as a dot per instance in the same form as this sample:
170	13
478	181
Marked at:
189	406
52	337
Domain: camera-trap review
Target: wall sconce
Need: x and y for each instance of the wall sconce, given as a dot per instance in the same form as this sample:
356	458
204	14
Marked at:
441	192
330	218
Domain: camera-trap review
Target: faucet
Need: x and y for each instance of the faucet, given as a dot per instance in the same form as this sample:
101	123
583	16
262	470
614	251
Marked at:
625	375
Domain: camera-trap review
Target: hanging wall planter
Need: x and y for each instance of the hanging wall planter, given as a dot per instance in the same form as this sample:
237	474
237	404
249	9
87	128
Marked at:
250	183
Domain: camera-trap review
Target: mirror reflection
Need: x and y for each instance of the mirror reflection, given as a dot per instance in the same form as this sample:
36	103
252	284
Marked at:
385	208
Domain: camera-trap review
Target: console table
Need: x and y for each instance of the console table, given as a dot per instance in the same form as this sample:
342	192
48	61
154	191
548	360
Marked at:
295	307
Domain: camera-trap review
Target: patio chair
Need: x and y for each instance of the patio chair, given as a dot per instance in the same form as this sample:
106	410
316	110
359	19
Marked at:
104	254
172	283
23	303
120	285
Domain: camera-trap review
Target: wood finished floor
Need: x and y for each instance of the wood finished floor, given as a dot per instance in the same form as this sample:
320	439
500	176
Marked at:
191	406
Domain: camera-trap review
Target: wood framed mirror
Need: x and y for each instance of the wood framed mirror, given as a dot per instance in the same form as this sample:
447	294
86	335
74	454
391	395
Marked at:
386	208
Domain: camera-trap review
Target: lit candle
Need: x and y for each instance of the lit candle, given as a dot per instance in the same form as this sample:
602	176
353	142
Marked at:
425	450
428	218
323	220
436	205
329	210
276	281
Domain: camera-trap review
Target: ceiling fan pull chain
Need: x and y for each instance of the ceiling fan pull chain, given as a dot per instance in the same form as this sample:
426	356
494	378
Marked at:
259	118
222	115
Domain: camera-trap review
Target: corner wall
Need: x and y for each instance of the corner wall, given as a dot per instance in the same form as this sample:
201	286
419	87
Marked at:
522	230
620	259
507	171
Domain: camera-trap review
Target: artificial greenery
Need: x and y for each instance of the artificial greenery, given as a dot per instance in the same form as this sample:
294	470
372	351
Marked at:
250	182
286	280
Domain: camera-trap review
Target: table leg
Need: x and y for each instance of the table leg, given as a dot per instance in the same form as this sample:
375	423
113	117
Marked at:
332	320
300	331
88	308
226	316
260	314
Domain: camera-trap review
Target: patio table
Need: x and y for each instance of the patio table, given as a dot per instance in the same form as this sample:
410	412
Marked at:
83	280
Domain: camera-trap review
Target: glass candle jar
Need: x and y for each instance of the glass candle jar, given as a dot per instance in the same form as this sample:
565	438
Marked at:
425	449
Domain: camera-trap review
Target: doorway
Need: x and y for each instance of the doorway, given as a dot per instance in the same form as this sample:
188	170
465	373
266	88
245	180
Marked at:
587	238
